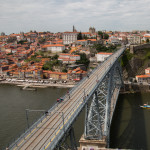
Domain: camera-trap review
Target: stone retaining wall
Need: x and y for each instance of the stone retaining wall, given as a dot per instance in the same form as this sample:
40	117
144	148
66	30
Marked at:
132	88
134	48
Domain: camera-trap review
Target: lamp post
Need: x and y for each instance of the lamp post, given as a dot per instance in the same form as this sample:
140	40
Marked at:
27	117
46	112
31	110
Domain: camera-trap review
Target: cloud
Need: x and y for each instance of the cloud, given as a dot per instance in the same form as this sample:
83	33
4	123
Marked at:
61	15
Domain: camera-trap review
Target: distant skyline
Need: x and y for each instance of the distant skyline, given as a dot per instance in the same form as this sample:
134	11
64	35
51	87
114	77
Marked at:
61	15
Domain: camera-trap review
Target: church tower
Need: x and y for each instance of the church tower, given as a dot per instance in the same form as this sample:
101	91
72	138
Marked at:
92	30
74	29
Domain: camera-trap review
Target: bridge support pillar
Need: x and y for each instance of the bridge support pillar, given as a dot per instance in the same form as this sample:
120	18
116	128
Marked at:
92	144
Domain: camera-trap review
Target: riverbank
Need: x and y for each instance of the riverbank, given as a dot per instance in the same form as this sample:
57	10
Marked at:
135	88
39	85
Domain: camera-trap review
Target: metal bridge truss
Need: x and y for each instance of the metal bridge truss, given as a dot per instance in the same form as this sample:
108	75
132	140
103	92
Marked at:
68	141
98	118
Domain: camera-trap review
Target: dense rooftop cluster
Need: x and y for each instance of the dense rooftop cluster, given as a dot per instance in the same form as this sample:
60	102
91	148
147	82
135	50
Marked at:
39	55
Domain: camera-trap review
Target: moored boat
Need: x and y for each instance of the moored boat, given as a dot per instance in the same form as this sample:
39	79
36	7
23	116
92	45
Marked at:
145	106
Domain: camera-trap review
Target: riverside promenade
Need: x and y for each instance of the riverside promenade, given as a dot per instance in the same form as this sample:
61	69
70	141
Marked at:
39	84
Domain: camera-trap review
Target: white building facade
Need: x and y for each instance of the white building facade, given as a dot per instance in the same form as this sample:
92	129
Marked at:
102	56
69	37
134	39
68	58
55	48
147	71
146	36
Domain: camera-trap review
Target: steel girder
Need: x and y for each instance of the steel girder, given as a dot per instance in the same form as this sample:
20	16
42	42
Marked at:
98	118
68	141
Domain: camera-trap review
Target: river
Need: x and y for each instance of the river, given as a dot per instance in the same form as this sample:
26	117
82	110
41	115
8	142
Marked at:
130	126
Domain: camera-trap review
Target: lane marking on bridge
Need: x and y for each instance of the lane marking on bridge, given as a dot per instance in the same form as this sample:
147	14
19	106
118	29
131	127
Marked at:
30	133
41	123
64	124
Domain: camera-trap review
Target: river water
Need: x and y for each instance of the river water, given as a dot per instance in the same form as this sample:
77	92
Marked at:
130	126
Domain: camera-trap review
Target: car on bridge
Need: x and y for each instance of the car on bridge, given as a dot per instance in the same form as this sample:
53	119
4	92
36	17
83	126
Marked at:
59	100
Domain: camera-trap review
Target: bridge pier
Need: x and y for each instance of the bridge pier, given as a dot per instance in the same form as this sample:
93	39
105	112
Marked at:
92	144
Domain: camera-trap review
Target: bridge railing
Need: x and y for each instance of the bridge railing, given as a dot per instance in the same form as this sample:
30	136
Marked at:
68	124
25	132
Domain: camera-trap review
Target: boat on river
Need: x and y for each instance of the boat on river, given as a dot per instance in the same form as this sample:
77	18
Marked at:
145	106
29	89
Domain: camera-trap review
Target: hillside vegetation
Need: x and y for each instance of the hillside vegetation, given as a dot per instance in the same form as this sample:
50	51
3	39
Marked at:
135	64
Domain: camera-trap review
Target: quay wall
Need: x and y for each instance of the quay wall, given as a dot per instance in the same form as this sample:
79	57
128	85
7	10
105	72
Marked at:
133	88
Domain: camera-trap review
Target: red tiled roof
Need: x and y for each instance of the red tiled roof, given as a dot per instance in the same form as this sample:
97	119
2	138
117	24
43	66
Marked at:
50	72
64	54
147	69
86	33
70	32
81	40
143	76
104	53
52	45
92	39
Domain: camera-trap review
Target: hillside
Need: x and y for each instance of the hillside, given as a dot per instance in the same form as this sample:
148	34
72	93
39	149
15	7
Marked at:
135	64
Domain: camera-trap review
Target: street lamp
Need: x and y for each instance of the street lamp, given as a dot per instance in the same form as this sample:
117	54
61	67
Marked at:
31	110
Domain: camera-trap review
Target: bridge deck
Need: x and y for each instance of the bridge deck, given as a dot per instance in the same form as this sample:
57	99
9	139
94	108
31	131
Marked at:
59	119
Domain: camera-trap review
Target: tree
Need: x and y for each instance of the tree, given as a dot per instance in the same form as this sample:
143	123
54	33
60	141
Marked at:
105	36
147	40
79	37
42	40
21	41
9	54
112	48
83	60
65	51
64	70
100	33
85	37
40	53
55	57
48	66
100	48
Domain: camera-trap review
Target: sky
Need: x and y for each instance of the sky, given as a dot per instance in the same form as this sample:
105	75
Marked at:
61	15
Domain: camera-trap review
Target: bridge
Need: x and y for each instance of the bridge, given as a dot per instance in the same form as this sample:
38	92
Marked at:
102	87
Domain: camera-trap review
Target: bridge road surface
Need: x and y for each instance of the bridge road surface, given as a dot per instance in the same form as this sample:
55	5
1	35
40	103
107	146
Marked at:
42	136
